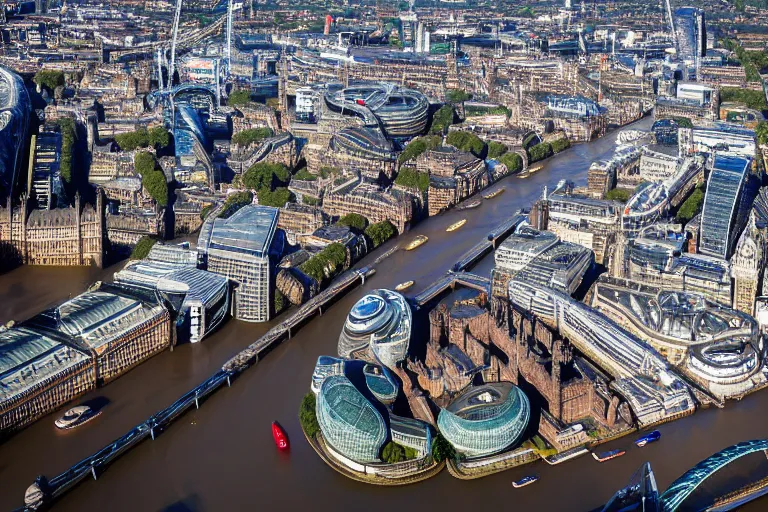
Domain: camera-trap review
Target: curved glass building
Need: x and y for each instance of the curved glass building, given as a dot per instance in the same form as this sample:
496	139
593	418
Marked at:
381	383
485	419
15	107
400	112
350	424
382	321
718	217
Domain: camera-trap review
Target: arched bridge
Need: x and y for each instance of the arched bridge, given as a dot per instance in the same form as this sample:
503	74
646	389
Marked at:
686	484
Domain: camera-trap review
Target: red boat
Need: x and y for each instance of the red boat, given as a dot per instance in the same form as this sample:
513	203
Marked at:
360	102
281	439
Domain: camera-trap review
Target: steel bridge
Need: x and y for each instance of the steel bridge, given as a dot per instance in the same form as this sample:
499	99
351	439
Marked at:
681	488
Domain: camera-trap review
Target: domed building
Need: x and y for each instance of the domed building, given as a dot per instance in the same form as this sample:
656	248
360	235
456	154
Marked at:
380	321
485	419
351	426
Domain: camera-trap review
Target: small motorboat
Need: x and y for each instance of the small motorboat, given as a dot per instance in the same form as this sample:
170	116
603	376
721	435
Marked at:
524	174
470	205
535	169
403	286
281	439
493	194
75	417
416	242
606	456
526	480
456	225
650	437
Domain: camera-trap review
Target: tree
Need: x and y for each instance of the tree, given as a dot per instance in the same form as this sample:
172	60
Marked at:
159	137
618	194
353	220
241	97
380	232
308	415
466	141
442	449
441	120
455	96
152	178
68	138
418	146
392	453
539	152
750	98
49	79
513	161
234	202
411	178
762	132
276	198
690	206
142	247
157	186
326	264
251	135
304	175
496	149
561	144
130	141
266	175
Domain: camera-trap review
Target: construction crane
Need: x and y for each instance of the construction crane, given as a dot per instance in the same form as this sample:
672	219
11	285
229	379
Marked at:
176	18
671	23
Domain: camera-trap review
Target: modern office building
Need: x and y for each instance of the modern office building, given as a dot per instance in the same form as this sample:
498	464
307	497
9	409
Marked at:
723	138
722	204
485	419
641	376
325	367
245	248
540	257
401	112
381	383
719	347
47	187
199	300
377	328
15	108
352	427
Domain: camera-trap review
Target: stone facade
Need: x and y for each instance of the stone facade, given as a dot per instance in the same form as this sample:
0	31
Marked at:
372	203
62	236
299	221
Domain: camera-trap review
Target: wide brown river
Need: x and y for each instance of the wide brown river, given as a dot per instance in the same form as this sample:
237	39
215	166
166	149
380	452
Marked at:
222	456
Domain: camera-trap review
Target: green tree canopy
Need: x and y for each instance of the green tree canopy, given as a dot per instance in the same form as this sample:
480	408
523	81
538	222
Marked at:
690	206
308	415
750	98
618	194
241	97
559	145
354	221
50	79
762	132
466	141
412	178
266	175
156	137
251	135
539	152
455	96
392	453
152	178
496	149
234	202
441	120
380	232
442	449
68	138
142	247
513	161
418	146
326	264
276	198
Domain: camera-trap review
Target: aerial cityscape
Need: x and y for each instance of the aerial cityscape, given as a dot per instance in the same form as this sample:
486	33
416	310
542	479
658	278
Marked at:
421	253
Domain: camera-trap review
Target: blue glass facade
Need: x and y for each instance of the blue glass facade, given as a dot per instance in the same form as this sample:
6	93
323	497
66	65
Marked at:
485	419
718	218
